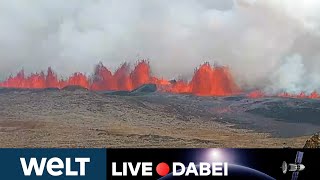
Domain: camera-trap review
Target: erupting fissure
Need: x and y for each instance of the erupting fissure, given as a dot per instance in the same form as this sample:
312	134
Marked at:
261	94
207	80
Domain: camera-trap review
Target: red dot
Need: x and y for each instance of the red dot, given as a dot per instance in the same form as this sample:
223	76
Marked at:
162	169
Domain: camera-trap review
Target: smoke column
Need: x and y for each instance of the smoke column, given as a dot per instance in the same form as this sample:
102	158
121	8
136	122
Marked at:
269	45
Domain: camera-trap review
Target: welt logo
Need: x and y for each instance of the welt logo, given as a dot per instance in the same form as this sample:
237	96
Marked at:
54	166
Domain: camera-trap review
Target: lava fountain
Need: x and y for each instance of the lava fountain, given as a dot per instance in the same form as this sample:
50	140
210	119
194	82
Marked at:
207	80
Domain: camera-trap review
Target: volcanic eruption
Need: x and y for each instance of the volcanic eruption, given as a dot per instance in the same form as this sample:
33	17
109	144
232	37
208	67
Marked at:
207	80
261	94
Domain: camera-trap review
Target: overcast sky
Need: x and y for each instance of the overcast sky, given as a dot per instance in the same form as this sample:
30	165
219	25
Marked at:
261	41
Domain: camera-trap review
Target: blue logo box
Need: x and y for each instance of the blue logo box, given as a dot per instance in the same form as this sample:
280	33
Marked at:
69	164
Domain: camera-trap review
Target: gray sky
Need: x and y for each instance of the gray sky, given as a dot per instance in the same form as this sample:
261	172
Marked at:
257	39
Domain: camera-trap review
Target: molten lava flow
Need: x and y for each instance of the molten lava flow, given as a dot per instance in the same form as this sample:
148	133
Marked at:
78	79
52	80
256	94
260	94
207	80
17	81
180	86
122	78
36	81
313	95
216	81
141	74
159	82
102	79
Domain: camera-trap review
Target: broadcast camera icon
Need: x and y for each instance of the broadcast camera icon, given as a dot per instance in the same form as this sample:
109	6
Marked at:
295	167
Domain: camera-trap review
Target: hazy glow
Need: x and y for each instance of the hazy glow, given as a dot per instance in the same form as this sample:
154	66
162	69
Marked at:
217	155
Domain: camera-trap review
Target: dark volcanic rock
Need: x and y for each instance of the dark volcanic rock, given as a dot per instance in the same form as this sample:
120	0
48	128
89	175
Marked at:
234	98
5	90
313	142
289	110
74	88
146	88
52	89
119	93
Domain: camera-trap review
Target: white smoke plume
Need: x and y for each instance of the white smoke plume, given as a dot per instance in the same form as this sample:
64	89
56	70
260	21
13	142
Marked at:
262	41
291	77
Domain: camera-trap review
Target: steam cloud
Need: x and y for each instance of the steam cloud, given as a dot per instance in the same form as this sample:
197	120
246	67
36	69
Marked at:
273	45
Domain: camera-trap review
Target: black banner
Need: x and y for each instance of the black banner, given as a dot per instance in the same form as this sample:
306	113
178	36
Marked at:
224	164
163	164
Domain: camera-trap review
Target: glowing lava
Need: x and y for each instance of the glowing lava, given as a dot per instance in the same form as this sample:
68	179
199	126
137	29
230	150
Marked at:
141	74
102	79
256	94
122	78
216	81
207	81
78	79
260	94
313	95
52	80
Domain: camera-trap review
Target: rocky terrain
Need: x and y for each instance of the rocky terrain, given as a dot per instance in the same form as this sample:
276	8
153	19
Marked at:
75	117
313	142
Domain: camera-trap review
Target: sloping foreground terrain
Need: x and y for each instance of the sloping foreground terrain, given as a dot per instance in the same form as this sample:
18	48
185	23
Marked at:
79	118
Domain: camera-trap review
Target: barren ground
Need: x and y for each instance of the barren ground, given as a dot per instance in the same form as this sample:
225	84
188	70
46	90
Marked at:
60	118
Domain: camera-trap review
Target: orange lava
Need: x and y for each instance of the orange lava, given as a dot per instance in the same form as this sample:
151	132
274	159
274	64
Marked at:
217	81
313	95
34	81
102	79
207	80
256	94
141	74
302	95
122	78
78	79
52	79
